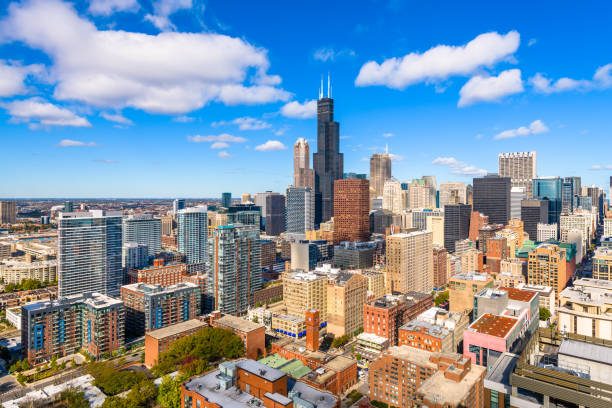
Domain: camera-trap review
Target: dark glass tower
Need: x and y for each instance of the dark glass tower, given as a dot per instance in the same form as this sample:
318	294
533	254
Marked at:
492	197
456	224
328	162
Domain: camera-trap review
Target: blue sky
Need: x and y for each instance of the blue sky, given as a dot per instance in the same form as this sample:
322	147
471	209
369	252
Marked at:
189	98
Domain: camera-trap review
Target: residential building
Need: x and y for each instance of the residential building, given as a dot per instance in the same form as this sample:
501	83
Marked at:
355	255
303	175
549	188
409	262
584	308
92	322
328	162
17	270
602	264
143	229
150	307
421	215
306	255
452	193
463	287
134	255
21	297
5	250
547	267
497	251
376	282
300	210
487	231
233	268
546	295
159	341
346	295
380	171
351	210
517	195
471	260
385	315
440	267
305	291
534	212
477	221
8	212
392	196
252	334
578	221
520	167
435	330
177	204
269	293
456	224
435	224
192	233
285	325
425	379
492	197
158	274
547	232
89	253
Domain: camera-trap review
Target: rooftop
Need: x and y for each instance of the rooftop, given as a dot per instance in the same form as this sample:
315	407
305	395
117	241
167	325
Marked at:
498	377
433	330
519	295
96	300
586	351
150	289
492	325
446	391
238	323
410	234
472	276
303	276
176	329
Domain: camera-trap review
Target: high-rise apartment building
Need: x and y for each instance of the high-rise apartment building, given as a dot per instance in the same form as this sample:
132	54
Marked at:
234	268
57	328
380	171
328	162
492	197
392	196
167	225
346	295
451	193
226	200
520	167
534	212
178	204
456	224
143	229
351	210
300	210
440	267
8	212
192	233
134	255
517	195
435	224
305	291
410	262
89	253
551	189
546	266
303	175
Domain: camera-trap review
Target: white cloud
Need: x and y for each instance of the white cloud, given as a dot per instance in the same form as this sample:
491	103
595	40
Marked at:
281	131
108	7
490	88
37	111
183	119
599	167
305	110
387	135
459	167
536	127
532	42
224	155
244	123
271	146
105	161
117	118
163	10
12	77
71	143
396	157
440	62
224	137
113	69
325	54
602	79
219	145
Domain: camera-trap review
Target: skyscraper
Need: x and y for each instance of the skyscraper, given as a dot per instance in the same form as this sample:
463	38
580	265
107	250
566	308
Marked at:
68	206
492	197
328	161
303	175
192	234
275	214
351	210
226	200
456	224
534	212
143	229
380	171
410	262
234	268
517	195
452	193
551	189
8	212
392	196
567	196
89	253
300	210
430	182
521	168
177	204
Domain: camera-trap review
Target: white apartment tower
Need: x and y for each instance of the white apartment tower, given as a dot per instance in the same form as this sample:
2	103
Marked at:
521	167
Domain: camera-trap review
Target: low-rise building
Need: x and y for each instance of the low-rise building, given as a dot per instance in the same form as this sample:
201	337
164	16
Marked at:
253	334
270	293
406	377
546	294
463	287
17	270
289	325
22	297
158	341
435	330
585	308
158	274
14	317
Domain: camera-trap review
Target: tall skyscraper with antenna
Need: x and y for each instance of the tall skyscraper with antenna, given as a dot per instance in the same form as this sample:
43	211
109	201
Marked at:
303	175
328	162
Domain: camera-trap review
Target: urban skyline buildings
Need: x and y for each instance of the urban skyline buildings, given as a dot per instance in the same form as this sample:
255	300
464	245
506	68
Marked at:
143	229
351	210
380	172
303	175
300	210
492	197
520	167
192	233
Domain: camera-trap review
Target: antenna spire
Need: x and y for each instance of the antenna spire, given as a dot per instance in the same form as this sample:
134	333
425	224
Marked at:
328	84
387	148
321	88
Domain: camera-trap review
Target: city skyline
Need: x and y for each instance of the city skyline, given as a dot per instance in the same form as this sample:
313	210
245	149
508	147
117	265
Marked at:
234	130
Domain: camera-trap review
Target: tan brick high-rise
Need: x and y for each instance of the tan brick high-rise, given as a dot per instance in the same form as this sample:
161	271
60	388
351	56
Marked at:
410	262
351	210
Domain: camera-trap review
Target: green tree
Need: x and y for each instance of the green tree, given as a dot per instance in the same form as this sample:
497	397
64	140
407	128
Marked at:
111	381
255	319
358	357
544	314
441	298
74	398
169	393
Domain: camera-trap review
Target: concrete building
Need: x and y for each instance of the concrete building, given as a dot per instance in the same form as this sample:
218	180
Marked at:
409	262
517	195
392	196
192	234
305	291
520	167
463	287
421	215
303	175
233	268
351	210
151	307
253	335
158	341
8	212
134	255
435	224
607	232
274	214
89	253
602	264
546	295
452	193
471	261
435	330
427	379
547	232
456	224
584	308
376	282
546	266
143	229
355	255
380	171
16	270
92	322
300	210
346	295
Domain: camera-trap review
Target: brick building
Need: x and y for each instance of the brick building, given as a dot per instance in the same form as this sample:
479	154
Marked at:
440	267
264	295
253	335
434	330
158	341
158	274
21	297
351	210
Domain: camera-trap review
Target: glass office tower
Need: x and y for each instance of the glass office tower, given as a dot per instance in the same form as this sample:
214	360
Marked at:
192	233
551	189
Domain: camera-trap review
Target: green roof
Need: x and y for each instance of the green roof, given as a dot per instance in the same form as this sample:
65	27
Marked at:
529	246
274	361
293	368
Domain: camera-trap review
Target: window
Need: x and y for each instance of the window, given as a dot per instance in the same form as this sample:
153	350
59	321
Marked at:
494	399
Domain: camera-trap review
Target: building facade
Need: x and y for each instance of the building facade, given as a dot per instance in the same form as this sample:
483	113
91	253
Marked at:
351	210
143	229
192	234
409	262
300	210
492	197
456	224
520	167
303	175
380	171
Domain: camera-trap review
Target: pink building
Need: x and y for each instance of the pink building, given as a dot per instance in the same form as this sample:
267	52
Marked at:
490	333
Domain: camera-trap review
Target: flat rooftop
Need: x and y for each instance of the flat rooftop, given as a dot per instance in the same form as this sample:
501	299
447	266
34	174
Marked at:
176	329
238	323
445	391
472	276
519	295
418	356
498	326
433	330
96	300
586	351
